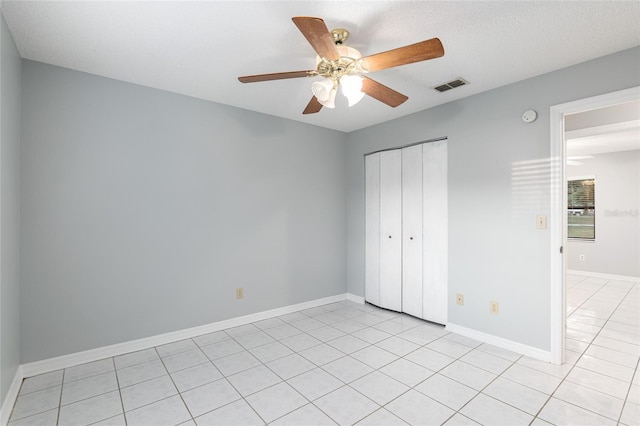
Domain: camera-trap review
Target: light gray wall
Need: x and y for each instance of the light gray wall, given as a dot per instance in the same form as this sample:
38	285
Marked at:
498	183
614	114
142	211
616	249
10	64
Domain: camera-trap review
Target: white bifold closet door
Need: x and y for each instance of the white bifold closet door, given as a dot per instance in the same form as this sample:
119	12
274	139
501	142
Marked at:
391	230
383	223
406	230
435	231
412	268
372	228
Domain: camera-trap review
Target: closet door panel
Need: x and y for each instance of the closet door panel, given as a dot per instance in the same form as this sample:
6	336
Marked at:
391	230
372	229
435	232
412	230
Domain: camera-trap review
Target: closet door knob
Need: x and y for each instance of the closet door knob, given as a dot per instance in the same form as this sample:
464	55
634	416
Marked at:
411	238
389	236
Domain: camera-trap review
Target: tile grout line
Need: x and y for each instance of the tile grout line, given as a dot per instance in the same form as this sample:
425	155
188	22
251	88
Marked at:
60	400
637	369
438	372
327	372
186	350
115	371
344	384
626	399
345	355
574	365
282	380
242	397
478	392
410	388
174	385
316	366
583	352
375	326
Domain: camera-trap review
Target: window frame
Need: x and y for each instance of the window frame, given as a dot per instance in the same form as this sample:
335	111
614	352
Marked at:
568	208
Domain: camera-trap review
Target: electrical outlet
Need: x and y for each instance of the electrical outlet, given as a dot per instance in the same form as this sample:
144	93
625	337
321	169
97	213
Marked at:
459	299
494	307
239	293
582	258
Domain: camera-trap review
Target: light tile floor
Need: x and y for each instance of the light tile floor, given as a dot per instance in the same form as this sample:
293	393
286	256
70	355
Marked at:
346	363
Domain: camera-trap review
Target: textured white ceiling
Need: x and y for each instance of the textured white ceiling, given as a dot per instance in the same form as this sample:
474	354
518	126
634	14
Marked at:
200	48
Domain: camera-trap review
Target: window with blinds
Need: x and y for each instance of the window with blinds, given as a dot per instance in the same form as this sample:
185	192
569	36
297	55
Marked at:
581	208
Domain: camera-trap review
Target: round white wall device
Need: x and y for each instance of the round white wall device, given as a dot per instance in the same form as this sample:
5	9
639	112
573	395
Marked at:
529	116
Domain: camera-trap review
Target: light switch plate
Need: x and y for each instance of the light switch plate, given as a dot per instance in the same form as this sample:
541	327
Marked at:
541	222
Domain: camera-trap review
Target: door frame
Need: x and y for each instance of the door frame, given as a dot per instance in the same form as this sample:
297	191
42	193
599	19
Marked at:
558	202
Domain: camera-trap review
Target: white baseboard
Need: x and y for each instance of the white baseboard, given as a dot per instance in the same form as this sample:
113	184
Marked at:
10	399
605	276
500	342
65	361
356	299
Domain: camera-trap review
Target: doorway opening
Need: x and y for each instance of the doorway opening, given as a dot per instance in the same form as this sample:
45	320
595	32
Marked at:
559	203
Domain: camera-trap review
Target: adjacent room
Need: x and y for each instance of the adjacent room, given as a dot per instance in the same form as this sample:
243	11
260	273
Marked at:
287	212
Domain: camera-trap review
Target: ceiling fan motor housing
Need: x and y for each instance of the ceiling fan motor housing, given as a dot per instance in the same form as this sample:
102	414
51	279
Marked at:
346	64
340	35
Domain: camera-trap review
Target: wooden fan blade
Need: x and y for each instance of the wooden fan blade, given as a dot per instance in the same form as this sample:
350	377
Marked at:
382	93
313	106
318	36
276	76
422	51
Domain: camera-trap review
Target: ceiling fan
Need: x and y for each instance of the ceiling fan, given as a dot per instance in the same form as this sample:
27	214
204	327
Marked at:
343	66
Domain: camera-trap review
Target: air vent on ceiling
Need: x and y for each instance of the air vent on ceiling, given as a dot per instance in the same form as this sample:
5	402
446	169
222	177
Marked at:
451	85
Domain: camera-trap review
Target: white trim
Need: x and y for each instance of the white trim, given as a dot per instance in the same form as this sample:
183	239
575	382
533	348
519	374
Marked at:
10	399
605	276
57	363
500	342
581	177
558	237
356	299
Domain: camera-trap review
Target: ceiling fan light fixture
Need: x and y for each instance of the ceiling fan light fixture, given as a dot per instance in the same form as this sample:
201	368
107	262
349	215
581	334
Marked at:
322	89
352	88
330	102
